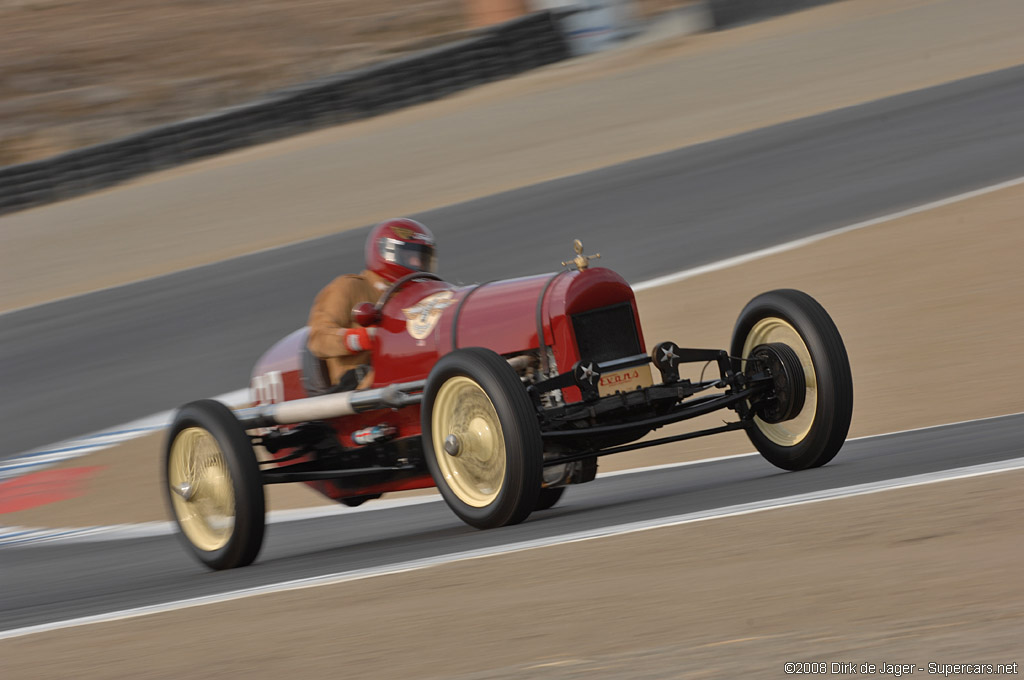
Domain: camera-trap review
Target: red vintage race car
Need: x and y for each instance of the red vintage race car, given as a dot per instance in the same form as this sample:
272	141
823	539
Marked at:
500	394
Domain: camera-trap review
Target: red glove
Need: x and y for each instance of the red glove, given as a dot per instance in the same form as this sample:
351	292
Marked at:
358	339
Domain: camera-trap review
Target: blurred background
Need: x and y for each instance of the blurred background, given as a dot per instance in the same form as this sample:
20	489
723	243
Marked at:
80	72
178	179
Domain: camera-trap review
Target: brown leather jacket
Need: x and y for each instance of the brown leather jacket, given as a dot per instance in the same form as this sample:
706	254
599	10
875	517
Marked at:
332	312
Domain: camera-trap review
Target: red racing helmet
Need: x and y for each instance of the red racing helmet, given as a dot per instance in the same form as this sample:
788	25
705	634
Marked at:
400	246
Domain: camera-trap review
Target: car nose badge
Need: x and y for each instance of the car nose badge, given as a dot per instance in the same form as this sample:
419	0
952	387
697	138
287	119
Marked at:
581	261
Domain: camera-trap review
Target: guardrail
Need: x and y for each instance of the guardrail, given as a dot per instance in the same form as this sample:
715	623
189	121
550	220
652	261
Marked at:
494	53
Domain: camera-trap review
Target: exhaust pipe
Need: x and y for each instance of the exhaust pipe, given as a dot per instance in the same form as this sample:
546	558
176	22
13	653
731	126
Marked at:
330	406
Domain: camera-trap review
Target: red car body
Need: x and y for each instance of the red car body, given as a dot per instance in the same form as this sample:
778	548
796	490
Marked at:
501	394
510	317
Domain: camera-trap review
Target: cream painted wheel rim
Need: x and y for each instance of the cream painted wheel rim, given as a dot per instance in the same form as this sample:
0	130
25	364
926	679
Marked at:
476	474
793	431
201	490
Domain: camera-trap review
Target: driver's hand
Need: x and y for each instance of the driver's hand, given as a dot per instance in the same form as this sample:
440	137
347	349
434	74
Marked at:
359	339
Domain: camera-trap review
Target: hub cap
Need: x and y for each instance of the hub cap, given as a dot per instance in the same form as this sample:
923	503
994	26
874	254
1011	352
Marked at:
463	413
201	490
793	431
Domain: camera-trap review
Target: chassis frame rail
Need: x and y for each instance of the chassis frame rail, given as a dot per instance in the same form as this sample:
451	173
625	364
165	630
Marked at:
728	427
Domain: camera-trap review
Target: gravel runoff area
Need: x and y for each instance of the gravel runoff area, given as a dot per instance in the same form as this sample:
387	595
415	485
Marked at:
571	117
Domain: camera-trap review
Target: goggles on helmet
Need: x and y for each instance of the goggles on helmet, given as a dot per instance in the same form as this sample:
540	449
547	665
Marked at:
413	256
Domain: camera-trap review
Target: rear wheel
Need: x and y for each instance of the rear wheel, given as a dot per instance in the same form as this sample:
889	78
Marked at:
805	424
481	438
213	485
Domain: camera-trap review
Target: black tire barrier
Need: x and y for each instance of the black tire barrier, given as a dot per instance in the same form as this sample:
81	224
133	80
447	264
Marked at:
726	13
491	54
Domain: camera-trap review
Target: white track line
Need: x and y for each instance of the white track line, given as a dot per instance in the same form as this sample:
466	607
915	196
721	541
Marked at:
807	240
572	537
37	459
21	536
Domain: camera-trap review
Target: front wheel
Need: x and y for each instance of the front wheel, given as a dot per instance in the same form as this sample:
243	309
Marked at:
482	439
803	422
213	485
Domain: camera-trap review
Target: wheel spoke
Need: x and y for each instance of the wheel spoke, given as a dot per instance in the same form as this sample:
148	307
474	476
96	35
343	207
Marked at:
476	473
207	513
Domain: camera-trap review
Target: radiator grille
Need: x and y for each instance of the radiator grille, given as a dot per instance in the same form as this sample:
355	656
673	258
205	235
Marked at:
606	333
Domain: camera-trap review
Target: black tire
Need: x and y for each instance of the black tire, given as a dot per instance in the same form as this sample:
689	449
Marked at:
819	429
549	497
493	479
203	424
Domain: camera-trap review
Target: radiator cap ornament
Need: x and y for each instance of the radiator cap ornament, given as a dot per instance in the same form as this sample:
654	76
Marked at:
581	261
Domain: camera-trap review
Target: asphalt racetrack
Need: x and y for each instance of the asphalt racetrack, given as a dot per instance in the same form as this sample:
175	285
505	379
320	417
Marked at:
93	361
49	583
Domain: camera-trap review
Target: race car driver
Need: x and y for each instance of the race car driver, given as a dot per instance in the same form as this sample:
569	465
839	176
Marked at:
394	248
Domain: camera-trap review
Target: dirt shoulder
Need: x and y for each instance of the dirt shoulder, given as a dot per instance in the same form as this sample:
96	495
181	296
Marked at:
568	118
920	301
912	576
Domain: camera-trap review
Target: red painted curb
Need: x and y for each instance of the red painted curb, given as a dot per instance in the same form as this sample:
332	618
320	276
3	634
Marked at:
43	488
